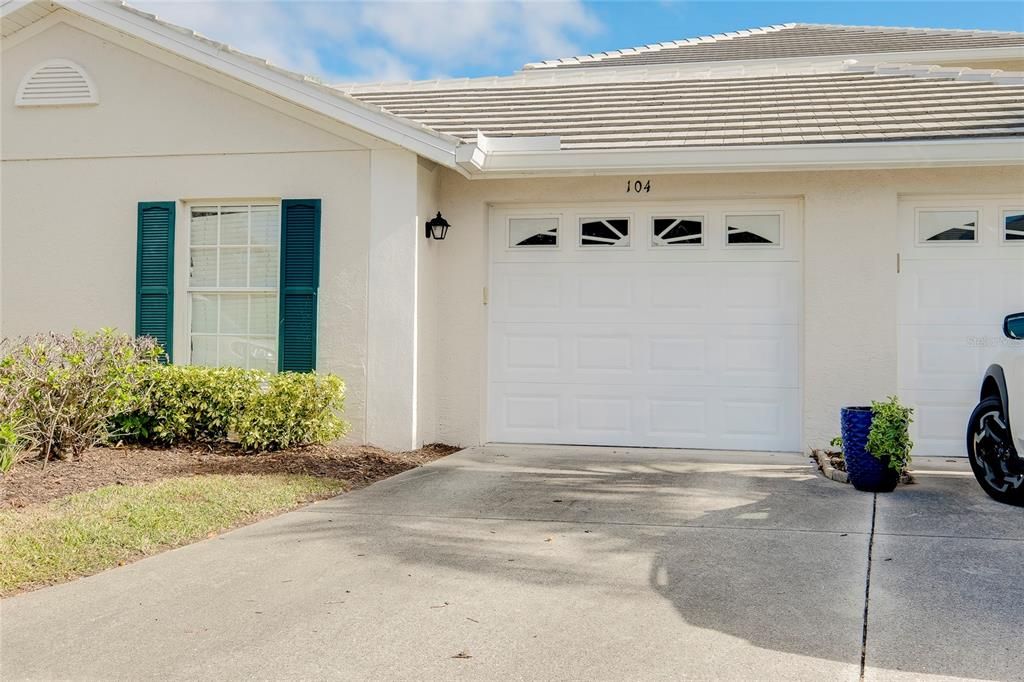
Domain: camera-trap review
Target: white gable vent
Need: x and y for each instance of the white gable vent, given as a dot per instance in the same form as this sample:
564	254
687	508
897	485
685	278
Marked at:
54	83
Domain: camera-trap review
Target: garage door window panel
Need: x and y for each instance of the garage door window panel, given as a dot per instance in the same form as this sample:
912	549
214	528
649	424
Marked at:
604	232
677	231
749	230
533	232
945	227
1013	226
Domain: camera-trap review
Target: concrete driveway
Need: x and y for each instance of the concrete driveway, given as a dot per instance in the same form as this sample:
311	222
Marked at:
511	562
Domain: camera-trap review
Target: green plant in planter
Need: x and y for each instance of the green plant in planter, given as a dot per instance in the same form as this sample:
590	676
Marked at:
890	432
837	443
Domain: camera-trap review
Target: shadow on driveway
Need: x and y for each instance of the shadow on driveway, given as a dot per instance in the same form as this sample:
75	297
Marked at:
559	563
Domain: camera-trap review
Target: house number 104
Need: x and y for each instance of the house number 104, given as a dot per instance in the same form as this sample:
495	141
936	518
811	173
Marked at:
637	186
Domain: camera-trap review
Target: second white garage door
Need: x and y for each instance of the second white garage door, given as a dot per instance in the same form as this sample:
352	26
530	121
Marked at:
670	325
962	272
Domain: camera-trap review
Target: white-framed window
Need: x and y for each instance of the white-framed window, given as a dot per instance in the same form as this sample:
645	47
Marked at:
604	232
533	232
677	231
753	230
1013	226
947	226
234	254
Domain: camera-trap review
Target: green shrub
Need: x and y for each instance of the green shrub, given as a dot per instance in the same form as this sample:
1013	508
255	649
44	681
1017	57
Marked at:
890	432
206	404
11	444
293	409
190	404
67	387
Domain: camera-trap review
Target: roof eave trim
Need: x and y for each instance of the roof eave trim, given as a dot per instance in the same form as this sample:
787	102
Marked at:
743	158
416	138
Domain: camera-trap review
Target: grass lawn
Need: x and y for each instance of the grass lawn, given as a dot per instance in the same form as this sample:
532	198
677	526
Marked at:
87	532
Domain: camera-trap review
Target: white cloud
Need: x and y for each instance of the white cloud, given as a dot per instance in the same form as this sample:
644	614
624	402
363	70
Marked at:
387	40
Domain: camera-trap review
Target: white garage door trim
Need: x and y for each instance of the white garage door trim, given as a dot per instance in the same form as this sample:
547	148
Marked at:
647	338
953	294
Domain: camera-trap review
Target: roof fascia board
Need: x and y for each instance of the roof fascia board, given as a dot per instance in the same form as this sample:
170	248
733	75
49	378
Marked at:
518	143
412	136
841	156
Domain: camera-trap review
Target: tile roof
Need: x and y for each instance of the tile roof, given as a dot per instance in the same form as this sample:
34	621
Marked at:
852	104
787	41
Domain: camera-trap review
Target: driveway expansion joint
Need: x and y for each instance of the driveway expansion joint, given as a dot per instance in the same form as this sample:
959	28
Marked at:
944	536
867	589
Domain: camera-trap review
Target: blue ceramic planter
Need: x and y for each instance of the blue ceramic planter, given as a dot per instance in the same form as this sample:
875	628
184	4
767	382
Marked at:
866	472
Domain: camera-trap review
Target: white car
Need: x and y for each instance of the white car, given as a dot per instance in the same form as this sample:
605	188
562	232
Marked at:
995	433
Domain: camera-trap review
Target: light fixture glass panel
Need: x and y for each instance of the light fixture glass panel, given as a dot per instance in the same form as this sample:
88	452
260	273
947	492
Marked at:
753	230
533	232
947	226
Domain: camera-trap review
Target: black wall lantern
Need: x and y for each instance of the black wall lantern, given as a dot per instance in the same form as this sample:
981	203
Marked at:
437	227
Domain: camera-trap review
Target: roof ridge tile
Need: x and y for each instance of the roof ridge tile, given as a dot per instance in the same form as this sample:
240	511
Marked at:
854	38
712	38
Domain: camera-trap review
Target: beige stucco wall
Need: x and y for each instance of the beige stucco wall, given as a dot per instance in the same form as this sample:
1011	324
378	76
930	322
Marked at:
849	348
165	130
427	323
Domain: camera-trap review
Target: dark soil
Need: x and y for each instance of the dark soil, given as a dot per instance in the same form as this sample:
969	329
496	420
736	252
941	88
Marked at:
30	483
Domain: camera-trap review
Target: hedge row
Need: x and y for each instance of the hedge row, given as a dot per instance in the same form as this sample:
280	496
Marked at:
213	404
62	394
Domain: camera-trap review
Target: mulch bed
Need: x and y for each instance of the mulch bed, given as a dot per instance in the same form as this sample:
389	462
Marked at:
29	483
836	467
836	460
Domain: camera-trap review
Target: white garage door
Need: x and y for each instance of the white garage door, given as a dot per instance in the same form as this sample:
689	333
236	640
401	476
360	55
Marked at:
962	271
668	325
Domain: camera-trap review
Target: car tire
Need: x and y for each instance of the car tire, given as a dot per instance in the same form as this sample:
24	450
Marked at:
987	432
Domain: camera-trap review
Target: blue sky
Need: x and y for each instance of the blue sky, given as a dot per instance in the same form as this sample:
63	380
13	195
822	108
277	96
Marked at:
375	40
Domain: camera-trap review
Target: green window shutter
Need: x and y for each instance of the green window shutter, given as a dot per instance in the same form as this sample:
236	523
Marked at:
154	278
300	280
